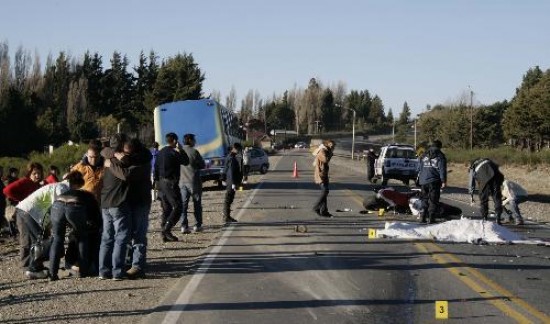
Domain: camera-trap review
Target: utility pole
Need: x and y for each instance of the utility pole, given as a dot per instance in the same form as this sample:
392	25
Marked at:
265	120
393	131
471	119
415	133
352	133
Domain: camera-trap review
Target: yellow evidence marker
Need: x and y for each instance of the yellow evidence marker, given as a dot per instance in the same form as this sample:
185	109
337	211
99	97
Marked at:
381	212
441	309
372	233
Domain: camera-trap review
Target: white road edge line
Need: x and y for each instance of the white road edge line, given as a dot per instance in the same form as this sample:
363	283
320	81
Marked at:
175	312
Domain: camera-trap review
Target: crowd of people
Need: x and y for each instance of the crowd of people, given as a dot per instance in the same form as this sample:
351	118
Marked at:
104	202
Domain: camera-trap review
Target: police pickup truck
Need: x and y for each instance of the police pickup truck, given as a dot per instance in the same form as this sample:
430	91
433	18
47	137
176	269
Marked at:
396	161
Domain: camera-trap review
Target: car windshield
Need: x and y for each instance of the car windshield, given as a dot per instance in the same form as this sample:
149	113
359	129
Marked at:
400	153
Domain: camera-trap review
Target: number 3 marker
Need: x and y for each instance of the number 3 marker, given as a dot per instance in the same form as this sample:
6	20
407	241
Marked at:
441	309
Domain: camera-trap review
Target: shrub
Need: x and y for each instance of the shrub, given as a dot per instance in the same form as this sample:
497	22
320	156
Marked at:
62	157
503	155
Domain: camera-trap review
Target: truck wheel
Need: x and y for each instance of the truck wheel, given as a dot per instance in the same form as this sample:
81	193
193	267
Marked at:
263	169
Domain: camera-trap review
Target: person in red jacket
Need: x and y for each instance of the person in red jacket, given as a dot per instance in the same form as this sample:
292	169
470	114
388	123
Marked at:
23	187
53	177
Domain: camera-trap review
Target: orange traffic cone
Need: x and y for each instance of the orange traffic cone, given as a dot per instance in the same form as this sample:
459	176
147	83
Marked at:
295	174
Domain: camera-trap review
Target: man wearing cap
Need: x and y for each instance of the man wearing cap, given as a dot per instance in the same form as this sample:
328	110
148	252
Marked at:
191	184
432	177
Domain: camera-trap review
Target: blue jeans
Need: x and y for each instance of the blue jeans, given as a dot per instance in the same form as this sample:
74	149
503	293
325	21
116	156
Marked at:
321	206
186	193
115	237
63	214
140	224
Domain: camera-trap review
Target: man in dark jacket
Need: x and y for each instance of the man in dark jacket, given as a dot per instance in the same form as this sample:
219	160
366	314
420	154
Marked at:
139	203
486	173
233	172
115	212
167	175
432	177
371	158
191	184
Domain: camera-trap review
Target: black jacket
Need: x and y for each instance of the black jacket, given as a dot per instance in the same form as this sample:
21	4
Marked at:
115	190
233	170
167	163
137	176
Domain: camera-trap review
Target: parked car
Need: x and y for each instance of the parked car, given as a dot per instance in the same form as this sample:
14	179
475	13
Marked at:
396	161
300	145
259	161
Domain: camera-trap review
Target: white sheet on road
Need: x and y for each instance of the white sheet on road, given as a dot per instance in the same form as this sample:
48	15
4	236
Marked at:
461	231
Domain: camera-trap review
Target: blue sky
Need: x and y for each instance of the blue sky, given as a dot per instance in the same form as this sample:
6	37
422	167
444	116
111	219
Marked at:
422	52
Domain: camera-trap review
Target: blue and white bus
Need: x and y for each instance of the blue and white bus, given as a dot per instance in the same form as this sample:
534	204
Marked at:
215	127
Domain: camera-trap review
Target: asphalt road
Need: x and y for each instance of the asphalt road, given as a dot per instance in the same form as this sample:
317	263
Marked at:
263	271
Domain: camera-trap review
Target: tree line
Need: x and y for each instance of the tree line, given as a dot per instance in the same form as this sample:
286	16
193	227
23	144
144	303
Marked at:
82	98
523	122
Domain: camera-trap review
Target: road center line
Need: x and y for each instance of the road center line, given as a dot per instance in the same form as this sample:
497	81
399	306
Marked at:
490	297
493	285
504	307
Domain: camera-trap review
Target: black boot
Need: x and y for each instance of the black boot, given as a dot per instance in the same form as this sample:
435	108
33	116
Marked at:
167	235
499	221
228	219
423	220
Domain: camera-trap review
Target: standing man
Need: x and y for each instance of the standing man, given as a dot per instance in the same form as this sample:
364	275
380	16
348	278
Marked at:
191	184
432	177
139	187
115	213
323	154
167	175
371	158
486	173
233	177
91	168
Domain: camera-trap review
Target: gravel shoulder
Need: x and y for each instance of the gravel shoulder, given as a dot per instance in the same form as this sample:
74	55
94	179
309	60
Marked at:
90	300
